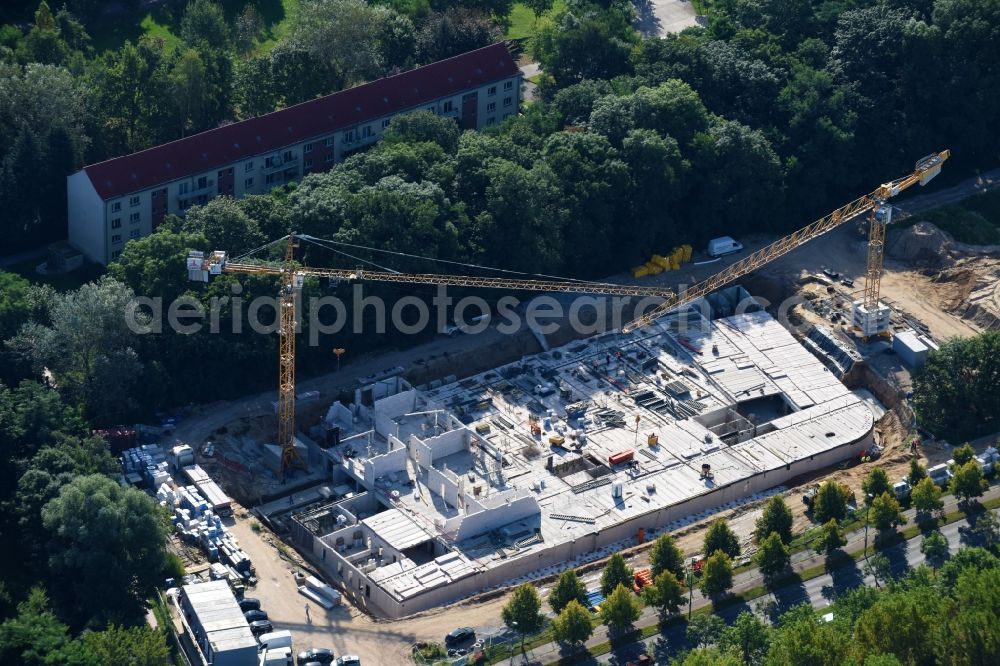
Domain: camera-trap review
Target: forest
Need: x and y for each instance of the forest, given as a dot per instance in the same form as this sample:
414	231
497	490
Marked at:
764	118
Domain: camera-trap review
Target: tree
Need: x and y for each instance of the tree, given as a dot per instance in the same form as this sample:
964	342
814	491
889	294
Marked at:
539	7
935	548
986	531
593	46
963	454
346	34
284	76
954	392
802	639
772	558
665	594
876	483
721	537
705	630
132	646
568	588
666	556
453	31
901	623
620	609
831	538
203	25
830	502
189	89
88	348
878	567
917	473
423	126
521	614
225	224
247	28
35	637
926	496
572	625
968	481
777	518
886	514
616	573
717	574
106	552
748	636
711	656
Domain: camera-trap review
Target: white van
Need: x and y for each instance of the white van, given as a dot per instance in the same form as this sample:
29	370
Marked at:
723	245
275	640
454	329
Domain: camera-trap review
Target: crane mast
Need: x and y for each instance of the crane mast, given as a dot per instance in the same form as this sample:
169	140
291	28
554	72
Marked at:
867	315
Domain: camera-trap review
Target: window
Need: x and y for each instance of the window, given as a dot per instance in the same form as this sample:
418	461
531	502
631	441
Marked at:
116	223
203	182
308	163
116	206
507	85
492	91
133	218
490	121
269	178
269	162
431	109
366	131
133	202
385	123
202	200
449	106
116	254
117	238
308	148
134	233
350	136
155	193
182	188
328	142
492	106
329	158
248	183
249	167
507	101
287	157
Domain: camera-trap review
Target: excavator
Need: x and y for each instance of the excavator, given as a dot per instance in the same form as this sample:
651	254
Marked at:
870	316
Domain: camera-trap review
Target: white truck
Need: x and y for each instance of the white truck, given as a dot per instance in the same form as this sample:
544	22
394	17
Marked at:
275	640
723	245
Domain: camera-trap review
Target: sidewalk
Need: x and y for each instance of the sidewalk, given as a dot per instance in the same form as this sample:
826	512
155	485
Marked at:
743	582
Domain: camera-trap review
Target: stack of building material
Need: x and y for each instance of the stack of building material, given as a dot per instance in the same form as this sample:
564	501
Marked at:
318	591
147	464
209	489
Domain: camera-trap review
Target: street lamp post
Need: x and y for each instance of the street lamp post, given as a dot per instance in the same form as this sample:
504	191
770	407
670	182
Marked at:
514	627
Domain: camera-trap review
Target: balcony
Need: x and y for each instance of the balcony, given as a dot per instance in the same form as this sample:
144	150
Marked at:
279	165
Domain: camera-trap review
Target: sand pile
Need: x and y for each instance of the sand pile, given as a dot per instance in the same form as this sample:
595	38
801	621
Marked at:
924	244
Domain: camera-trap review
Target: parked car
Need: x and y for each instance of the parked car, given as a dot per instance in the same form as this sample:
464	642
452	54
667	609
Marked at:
723	245
460	636
249	604
847	282
832	274
322	656
254	615
348	660
261	627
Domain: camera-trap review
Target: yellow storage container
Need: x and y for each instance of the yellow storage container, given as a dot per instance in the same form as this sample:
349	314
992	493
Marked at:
688	252
662	262
640	271
674	263
654	269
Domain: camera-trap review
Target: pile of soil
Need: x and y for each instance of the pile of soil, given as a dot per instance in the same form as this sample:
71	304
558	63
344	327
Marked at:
923	244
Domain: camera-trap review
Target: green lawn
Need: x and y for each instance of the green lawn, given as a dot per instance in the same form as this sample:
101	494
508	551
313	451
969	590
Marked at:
522	20
164	21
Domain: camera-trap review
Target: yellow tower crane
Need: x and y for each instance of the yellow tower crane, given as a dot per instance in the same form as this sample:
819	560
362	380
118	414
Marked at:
200	267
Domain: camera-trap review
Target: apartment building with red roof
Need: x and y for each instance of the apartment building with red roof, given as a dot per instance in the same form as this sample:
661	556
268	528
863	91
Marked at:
127	197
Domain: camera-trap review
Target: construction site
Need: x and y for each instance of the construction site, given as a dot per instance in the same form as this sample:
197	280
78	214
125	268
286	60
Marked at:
492	460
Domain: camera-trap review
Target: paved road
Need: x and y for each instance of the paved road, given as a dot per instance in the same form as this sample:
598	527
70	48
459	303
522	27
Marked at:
819	592
658	18
935	199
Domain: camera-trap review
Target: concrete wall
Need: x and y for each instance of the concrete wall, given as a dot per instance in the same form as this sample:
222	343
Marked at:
420	452
385	464
448	443
391	407
443	484
87	228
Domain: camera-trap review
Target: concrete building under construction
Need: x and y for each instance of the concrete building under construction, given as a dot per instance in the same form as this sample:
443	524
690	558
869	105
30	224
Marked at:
441	491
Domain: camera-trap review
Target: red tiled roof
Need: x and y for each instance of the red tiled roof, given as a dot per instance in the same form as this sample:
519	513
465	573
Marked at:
224	145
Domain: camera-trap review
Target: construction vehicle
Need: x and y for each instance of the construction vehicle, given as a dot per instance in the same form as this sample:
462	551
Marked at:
868	313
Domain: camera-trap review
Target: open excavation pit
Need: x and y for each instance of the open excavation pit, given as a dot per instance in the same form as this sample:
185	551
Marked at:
438	493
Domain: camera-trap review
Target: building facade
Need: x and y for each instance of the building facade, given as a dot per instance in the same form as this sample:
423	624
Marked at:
128	197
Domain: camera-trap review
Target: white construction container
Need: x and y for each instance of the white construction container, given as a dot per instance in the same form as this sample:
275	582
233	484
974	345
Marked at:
723	245
910	349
